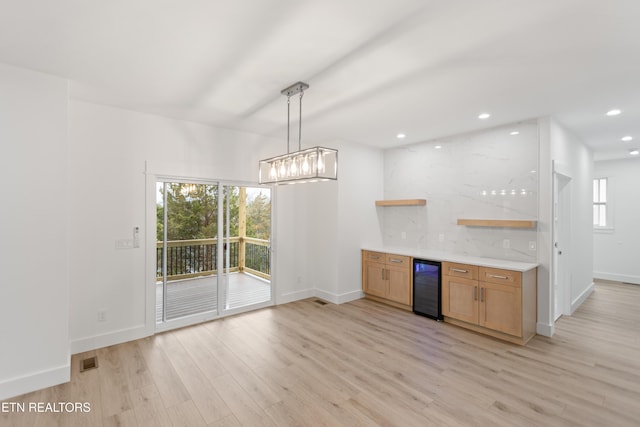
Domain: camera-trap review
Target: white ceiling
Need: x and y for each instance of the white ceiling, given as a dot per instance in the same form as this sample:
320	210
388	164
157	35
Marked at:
375	67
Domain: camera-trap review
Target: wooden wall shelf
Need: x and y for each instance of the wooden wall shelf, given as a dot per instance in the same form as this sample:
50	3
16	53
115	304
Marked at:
506	223
403	202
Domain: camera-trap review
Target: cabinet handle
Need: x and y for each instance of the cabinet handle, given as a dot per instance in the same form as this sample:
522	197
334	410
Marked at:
495	276
383	274
481	294
395	260
374	256
475	293
459	270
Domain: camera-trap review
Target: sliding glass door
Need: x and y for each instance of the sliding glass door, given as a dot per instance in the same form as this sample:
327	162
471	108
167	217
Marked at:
213	251
247	234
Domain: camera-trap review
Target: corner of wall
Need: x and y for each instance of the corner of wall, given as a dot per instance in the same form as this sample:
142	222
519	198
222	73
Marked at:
577	302
35	381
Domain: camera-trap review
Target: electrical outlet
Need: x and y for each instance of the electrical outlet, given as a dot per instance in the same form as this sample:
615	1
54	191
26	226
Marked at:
102	315
532	246
506	243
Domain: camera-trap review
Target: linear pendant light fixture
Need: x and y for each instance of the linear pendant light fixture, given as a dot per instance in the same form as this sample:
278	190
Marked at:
308	165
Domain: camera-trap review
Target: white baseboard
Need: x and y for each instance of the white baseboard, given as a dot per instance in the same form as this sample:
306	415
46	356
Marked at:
339	298
320	293
35	381
295	296
111	338
616	277
545	330
582	297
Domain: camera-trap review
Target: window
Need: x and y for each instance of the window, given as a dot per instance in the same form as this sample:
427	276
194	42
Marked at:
600	203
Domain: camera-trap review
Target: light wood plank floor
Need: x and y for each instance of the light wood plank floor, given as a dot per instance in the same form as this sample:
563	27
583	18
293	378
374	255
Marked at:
363	364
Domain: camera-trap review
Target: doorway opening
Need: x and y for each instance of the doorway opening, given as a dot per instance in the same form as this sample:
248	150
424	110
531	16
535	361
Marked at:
561	244
213	250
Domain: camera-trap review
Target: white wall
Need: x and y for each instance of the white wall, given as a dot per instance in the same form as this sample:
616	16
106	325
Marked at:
559	146
341	220
361	184
616	250
109	149
489	175
34	307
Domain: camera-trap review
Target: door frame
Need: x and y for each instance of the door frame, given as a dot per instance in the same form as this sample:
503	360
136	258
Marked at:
561	242
150	255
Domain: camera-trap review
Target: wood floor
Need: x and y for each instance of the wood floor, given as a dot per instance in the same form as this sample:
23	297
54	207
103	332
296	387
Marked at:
363	363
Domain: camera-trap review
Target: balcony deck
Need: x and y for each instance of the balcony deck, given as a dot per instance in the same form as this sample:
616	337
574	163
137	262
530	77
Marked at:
186	297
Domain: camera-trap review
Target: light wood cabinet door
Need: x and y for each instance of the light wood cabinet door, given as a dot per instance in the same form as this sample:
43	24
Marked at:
399	284
460	298
375	279
501	308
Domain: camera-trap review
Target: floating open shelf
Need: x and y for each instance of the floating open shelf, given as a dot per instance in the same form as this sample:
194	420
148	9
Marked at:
403	202
507	223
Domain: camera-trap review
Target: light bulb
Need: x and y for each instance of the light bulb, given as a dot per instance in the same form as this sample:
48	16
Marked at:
272	173
294	167
305	165
283	169
320	161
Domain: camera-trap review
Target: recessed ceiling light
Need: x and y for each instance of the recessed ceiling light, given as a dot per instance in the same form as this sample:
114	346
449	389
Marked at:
515	132
483	116
437	147
400	135
626	138
634	152
614	112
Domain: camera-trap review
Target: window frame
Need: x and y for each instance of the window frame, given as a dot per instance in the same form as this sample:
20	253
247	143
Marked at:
607	203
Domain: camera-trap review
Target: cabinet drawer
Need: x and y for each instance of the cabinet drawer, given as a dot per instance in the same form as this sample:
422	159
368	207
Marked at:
374	256
398	260
503	277
460	270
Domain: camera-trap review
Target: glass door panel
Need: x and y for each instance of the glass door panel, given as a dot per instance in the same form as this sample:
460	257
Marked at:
247	246
186	253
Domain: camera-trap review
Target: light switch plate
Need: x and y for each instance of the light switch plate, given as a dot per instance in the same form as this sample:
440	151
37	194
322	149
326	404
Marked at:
124	244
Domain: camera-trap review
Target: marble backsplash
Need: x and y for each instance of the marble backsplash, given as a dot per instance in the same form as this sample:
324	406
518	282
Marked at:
489	175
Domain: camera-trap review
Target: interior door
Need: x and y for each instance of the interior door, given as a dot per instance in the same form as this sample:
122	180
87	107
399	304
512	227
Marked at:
561	244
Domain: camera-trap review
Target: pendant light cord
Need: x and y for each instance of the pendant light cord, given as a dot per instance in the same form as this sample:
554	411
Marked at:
288	121
300	124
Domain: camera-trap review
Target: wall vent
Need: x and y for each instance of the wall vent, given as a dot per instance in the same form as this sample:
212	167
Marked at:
88	363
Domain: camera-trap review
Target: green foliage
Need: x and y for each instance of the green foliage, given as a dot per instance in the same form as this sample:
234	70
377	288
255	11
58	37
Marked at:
259	217
192	212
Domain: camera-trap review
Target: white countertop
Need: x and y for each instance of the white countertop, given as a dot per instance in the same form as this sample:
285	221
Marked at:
463	259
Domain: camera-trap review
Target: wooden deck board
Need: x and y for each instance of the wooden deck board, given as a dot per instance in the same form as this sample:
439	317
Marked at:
186	297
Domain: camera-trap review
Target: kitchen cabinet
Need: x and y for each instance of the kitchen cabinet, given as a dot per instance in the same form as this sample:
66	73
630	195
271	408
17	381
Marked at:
497	302
387	278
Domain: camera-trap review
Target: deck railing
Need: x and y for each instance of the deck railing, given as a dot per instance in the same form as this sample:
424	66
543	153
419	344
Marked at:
199	257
